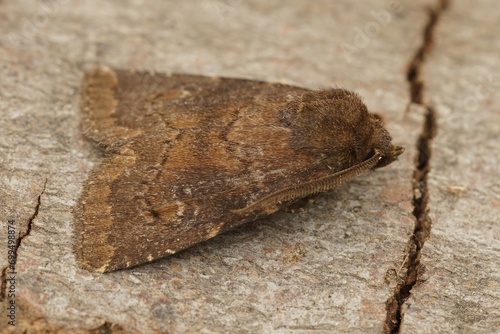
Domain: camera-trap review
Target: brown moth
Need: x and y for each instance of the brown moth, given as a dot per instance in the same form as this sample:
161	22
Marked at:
189	157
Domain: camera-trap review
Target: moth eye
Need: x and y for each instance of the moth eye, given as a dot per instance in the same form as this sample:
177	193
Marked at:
370	154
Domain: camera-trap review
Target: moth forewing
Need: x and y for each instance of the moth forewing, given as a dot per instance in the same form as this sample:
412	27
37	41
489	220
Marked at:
189	157
313	187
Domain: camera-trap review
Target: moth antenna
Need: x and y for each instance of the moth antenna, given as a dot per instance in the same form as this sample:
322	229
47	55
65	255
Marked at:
314	187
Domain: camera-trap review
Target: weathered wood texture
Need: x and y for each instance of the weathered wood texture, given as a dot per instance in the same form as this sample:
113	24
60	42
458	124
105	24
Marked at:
460	291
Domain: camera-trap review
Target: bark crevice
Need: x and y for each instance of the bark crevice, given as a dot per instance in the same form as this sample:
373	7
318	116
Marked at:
423	223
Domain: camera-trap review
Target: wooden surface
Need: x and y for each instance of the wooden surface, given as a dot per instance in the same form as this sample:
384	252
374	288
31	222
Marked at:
349	263
460	292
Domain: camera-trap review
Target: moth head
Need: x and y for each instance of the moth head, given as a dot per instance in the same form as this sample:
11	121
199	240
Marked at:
381	141
336	125
391	156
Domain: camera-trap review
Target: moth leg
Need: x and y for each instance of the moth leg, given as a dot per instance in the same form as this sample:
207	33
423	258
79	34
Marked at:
301	204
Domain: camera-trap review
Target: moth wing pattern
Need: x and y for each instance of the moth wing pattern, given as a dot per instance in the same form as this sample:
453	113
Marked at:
119	105
182	149
187	154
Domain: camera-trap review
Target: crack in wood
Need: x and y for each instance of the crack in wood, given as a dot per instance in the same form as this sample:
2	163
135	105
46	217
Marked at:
423	222
22	235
